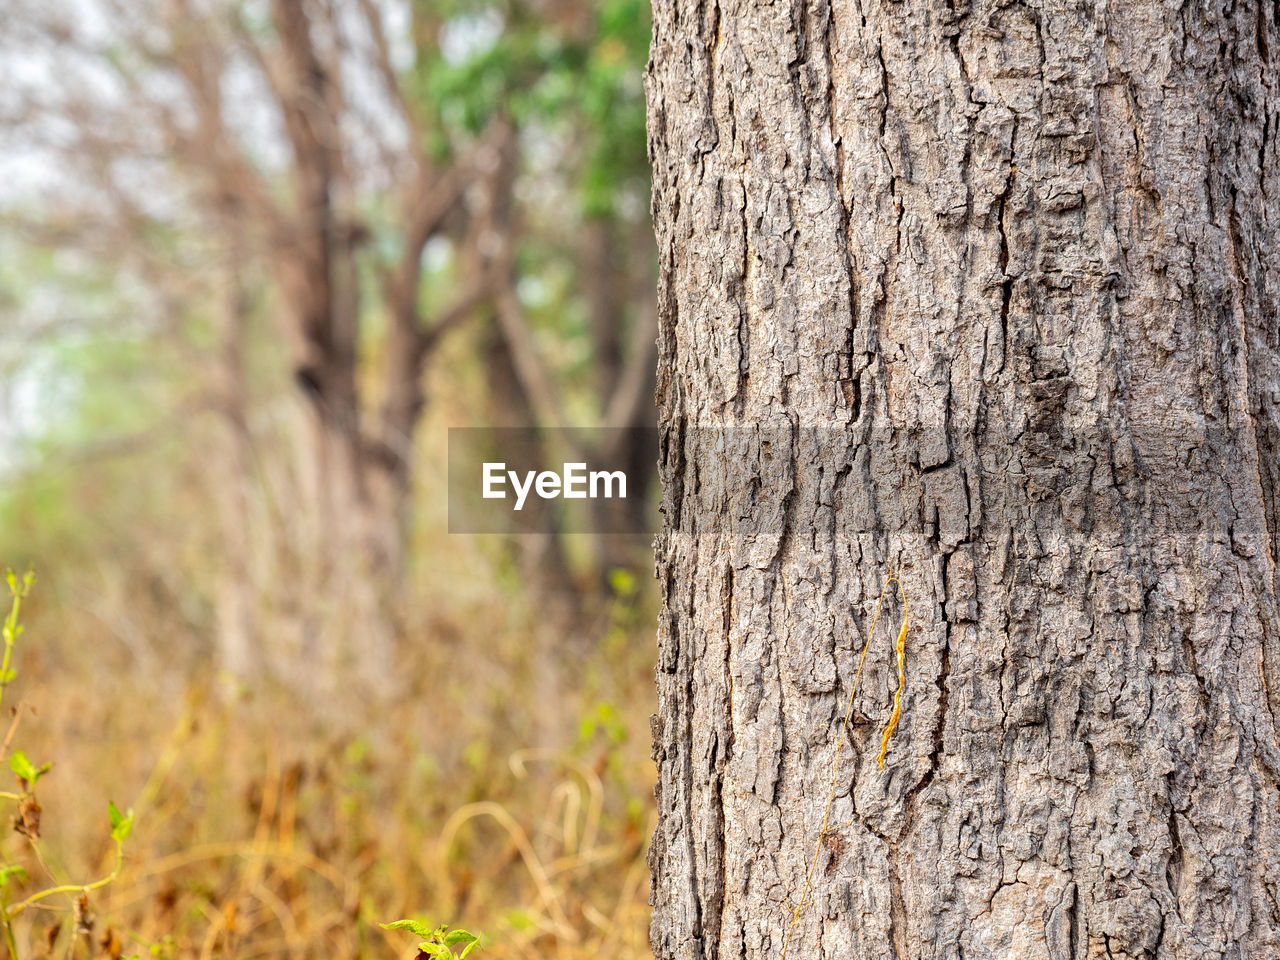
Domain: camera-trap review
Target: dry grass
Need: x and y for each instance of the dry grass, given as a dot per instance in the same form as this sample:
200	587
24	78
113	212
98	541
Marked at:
273	823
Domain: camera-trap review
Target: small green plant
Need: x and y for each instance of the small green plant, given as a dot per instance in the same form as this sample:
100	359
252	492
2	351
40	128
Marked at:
26	816
438	942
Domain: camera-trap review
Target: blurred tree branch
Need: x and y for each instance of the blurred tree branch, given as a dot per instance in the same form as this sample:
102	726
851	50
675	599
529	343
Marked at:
272	184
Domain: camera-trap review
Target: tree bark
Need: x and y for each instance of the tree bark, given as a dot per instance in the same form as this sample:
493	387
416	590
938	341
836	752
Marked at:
985	296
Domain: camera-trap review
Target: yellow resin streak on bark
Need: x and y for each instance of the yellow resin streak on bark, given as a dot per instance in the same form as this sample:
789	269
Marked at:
848	714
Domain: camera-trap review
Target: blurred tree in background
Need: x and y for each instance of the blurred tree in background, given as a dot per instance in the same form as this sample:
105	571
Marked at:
255	257
250	248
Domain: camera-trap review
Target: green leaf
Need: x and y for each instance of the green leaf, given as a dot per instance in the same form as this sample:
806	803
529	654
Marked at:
413	926
21	764
28	579
121	824
460	936
9	871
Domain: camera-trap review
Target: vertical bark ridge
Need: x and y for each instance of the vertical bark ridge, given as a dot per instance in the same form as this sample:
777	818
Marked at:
985	294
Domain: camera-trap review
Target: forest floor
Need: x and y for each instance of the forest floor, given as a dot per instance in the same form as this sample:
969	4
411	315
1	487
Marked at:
491	793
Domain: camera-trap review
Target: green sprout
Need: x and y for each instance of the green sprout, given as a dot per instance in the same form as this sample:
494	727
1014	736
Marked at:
27	818
438	943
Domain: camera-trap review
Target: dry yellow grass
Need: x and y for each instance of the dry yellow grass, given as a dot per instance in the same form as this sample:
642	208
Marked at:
275	823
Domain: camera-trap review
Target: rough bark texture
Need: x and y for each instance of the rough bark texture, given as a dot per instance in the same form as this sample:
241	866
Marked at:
1017	262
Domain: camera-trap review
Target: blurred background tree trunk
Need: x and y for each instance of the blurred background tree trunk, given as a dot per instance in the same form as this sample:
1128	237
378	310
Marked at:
232	484
357	187
257	257
989	294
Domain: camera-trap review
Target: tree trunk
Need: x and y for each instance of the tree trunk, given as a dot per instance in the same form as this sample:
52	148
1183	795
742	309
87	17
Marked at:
991	294
231	474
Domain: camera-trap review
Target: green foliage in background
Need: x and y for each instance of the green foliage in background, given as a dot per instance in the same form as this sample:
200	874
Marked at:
583	84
